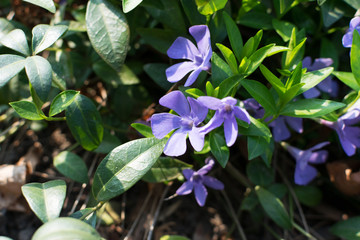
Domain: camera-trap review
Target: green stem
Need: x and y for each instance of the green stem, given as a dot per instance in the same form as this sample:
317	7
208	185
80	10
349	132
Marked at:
303	232
97	207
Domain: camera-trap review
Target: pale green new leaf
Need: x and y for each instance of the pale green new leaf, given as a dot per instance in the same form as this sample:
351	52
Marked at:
62	101
71	166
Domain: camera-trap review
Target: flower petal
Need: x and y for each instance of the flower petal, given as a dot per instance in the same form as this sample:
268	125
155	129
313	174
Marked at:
319	146
192	77
213	183
196	139
352	134
201	34
183	48
163	123
306	63
188	173
311	93
320	63
295	123
209	164
211	102
185	188
242	114
304	176
200	194
214	122
198	111
355	22
176	101
176	144
347	145
279	129
318	157
177	71
347	39
231	131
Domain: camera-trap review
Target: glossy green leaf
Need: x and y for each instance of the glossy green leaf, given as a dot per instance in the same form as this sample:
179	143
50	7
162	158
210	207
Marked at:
26	110
348	79
194	92
283	28
124	166
193	15
303	193
257	19
47	4
160	39
234	35
173	237
311	79
220	70
46	199
256	128
143	129
45	35
87	215
5	238
228	85
310	108
10	65
273	80
273	207
39	72
229	57
108	32
62	101
165	169
256	146
156	71
207	7
348	229
66	228
108	143
16	40
219	149
129	5
72	166
256	58
258	91
6	26
355	56
259	173
85	123
125	77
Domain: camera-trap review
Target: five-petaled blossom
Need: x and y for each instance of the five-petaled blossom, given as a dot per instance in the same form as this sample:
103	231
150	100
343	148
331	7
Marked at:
348	37
328	85
199	57
349	135
191	114
305	173
196	180
254	108
226	112
280	130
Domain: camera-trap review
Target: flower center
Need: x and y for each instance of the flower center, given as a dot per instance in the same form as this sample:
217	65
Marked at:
197	178
228	108
198	60
187	123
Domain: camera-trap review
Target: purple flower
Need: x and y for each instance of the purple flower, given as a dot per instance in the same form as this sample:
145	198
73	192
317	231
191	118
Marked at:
280	130
190	117
348	37
226	111
199	57
328	85
305	173
197	181
349	135
254	108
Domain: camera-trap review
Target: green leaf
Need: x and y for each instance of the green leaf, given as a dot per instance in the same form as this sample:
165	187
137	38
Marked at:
173	237
355	56
45	35
219	148
39	72
66	228
207	7
108	143
256	128
257	19
273	80
125	77
72	166
129	5
348	79
273	207
165	169
143	129
124	166
258	91
10	65
26	110
259	173
108	32
310	108
16	40
256	58
303	193
46	199
228	84
256	146
156	71
311	79
194	92
283	28
160	39
348	229
229	57
62	101
85	123
234	35
47	4
193	15
220	70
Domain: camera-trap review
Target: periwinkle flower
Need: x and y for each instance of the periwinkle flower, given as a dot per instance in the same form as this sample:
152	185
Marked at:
191	114
280	125
226	112
328	85
304	172
349	135
348	37
196	180
254	108
199	56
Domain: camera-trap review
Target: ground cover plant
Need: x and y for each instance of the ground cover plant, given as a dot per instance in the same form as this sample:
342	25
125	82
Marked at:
179	119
